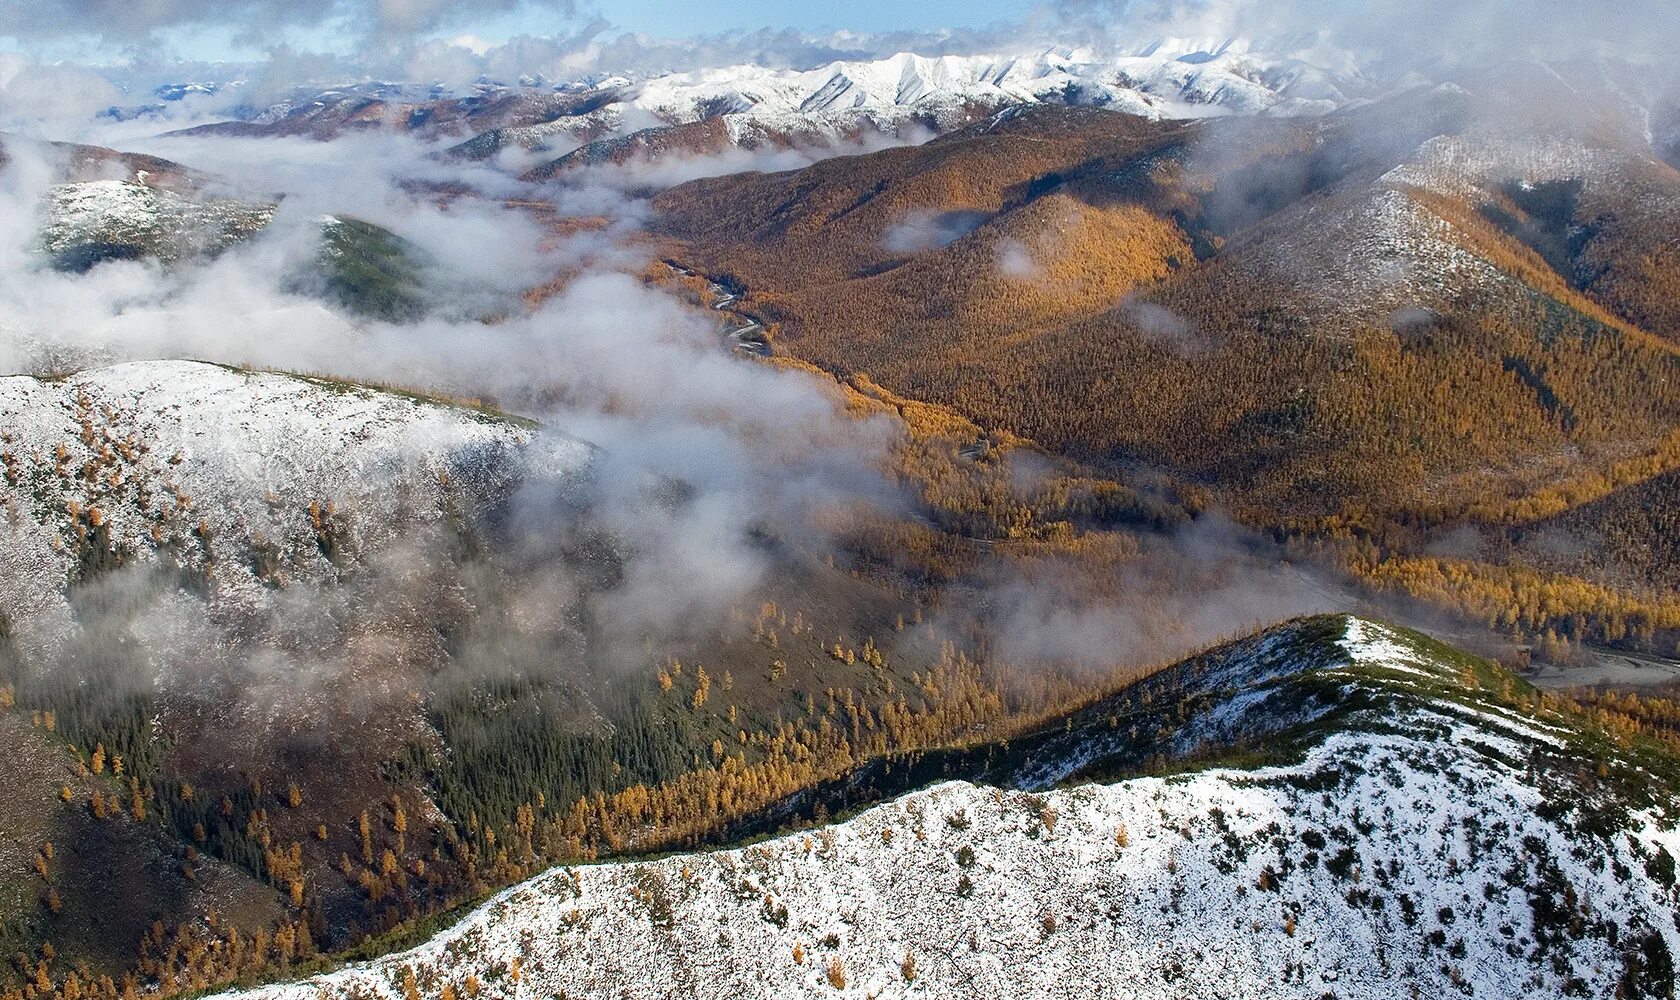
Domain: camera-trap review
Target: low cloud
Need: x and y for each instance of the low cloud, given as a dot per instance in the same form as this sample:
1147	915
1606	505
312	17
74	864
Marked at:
1211	580
702	454
1161	325
1015	260
920	231
1395	37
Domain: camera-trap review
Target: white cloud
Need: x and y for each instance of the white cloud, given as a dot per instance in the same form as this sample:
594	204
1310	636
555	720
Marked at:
1015	260
128	21
33	94
920	231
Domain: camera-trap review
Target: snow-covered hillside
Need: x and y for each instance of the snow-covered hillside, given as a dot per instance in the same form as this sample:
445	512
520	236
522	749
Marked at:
130	217
250	479
1425	233
1423	828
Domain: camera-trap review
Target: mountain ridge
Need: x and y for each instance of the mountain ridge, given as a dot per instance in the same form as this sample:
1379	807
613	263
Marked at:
826	108
1467	872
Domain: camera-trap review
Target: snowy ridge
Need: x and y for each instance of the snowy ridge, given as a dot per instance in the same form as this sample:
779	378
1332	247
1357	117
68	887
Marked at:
1161	82
566	132
200	466
1465	166
1255	688
907	96
1421	847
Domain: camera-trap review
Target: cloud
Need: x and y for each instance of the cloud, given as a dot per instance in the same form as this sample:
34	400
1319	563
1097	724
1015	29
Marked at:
1161	324
1015	260
1404	35
702	452
919	231
665	169
124	21
1211	580
34	95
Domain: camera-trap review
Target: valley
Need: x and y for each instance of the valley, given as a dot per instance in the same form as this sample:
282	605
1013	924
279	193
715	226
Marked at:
1182	516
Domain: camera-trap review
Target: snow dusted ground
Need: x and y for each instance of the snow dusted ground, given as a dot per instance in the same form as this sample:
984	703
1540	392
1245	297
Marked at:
1469	166
152	220
254	479
1411	851
1375	250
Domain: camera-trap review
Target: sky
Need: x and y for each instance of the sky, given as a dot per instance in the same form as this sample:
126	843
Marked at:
678	18
199	31
273	46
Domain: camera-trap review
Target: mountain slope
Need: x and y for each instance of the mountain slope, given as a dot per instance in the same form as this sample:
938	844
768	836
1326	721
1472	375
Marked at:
349	653
74	163
188	463
107	206
94	221
176	536
1436	831
1247	304
91	884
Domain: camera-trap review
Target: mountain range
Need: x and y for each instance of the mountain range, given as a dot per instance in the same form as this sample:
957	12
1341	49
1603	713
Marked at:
927	526
900	96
